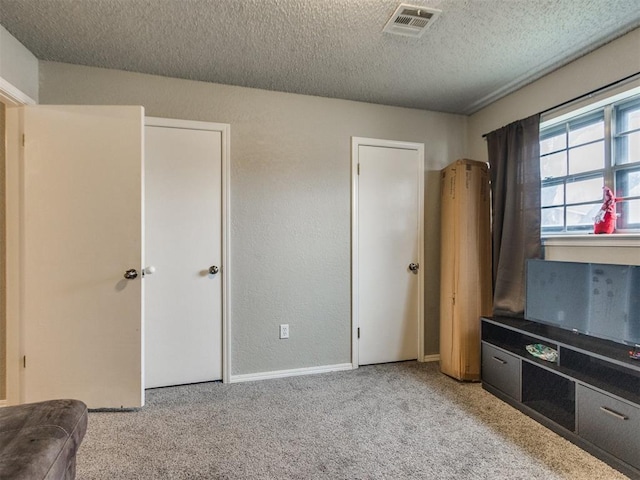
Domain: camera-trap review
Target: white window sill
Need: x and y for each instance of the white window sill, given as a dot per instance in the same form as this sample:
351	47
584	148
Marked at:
592	240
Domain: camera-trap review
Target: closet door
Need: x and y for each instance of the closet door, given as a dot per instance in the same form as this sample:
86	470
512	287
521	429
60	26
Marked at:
80	233
387	288
183	297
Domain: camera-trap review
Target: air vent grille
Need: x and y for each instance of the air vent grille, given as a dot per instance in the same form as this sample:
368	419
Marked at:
411	21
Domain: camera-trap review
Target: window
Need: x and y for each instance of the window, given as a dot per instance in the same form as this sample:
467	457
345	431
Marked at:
627	163
579	156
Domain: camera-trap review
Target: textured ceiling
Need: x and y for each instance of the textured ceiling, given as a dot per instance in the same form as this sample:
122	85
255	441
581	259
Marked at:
474	53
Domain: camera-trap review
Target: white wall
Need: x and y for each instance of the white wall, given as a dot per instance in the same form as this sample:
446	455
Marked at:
290	201
18	66
606	65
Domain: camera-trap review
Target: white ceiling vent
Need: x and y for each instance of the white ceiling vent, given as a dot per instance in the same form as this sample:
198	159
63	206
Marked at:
410	20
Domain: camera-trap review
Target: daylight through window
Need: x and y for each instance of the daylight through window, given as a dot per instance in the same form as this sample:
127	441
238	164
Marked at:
579	156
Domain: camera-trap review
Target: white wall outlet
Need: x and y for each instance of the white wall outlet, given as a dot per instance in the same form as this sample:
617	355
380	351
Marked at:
284	330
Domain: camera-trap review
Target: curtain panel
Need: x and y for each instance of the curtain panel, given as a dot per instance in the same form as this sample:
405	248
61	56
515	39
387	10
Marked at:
514	160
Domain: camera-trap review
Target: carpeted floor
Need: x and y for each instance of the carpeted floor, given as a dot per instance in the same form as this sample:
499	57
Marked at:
392	421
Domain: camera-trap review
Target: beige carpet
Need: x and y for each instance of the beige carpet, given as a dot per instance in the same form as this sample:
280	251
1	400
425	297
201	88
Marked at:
393	421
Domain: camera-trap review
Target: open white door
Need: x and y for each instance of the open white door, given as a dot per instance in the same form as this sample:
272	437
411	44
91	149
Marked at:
81	230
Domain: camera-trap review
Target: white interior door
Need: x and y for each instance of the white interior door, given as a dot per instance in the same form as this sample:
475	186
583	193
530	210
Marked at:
387	288
81	229
183	310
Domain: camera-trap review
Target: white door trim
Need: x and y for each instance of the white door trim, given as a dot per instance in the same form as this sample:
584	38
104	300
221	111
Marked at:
11	96
356	142
225	131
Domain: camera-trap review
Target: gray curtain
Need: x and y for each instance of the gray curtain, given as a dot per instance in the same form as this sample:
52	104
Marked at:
514	159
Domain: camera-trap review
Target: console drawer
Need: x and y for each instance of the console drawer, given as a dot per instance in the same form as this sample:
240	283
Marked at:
610	424
501	370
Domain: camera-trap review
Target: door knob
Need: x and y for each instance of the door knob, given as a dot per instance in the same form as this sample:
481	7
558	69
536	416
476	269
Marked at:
213	270
131	274
148	270
414	267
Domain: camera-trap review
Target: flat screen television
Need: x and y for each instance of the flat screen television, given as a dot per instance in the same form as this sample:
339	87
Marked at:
596	299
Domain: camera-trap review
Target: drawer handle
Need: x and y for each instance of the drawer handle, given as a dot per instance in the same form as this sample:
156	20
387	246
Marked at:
614	413
499	360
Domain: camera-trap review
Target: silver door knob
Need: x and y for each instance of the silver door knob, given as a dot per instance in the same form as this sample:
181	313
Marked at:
131	274
150	270
414	267
213	270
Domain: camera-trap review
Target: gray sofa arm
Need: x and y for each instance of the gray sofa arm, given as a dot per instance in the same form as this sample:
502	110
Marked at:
40	440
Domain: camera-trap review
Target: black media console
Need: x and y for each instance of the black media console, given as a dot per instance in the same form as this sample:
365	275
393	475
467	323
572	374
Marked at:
590	395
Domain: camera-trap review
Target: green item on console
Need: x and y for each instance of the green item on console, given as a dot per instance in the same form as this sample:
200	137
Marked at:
542	351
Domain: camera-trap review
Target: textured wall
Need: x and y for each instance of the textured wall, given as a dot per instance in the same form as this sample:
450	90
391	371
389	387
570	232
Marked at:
18	66
290	201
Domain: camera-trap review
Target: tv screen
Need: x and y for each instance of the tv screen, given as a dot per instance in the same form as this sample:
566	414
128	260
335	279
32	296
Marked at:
596	299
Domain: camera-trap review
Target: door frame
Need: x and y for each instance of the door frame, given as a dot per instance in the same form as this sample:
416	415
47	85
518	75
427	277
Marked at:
356	143
225	132
12	97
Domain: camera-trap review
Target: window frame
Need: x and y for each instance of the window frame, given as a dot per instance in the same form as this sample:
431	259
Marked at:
630	104
610	114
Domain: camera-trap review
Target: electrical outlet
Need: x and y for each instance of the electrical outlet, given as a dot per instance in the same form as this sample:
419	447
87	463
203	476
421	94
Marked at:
284	330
